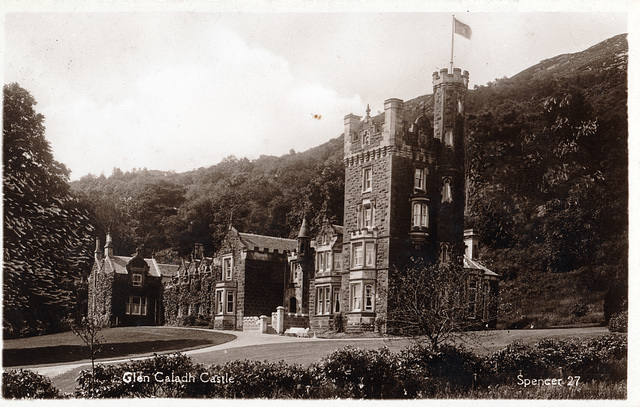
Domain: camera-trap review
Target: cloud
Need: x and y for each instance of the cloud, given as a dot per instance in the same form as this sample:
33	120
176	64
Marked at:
180	114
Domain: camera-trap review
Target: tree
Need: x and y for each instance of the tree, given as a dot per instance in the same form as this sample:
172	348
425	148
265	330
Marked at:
88	330
428	301
47	238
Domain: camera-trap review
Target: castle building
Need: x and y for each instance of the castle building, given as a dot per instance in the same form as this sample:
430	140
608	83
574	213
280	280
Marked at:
404	201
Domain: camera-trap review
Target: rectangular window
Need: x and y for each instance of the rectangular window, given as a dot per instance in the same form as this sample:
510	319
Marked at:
227	267
327	300
320	301
336	300
368	217
368	297
230	302
356	297
337	261
136	279
322	261
419	179
219	302
370	254
357	254
420	215
367	175
136	305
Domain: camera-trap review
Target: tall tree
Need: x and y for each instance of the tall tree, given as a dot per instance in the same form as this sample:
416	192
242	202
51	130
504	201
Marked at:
47	241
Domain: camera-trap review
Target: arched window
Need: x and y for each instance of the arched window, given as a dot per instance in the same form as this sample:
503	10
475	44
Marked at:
446	190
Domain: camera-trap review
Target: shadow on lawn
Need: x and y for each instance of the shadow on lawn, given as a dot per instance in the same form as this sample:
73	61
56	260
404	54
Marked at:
74	353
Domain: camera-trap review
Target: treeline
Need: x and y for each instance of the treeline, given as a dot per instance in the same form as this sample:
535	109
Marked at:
169	212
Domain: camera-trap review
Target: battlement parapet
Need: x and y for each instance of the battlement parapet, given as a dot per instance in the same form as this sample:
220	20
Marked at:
457	76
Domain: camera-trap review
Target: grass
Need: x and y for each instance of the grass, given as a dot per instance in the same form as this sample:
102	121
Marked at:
116	342
584	391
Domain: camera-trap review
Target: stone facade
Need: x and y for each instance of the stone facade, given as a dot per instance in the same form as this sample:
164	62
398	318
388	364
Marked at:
243	281
404	199
126	291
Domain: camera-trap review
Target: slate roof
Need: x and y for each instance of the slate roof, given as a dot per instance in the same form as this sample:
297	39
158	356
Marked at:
476	265
118	265
282	245
338	229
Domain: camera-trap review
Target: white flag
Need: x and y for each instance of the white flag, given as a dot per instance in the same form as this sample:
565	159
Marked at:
462	29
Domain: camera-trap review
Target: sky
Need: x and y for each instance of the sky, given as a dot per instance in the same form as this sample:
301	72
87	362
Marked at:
180	88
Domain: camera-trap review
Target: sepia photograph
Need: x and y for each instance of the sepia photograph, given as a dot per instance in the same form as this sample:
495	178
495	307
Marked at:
318	201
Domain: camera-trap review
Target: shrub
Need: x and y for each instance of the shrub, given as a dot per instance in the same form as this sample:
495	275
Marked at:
618	322
109	380
253	379
425	372
357	373
25	384
506	364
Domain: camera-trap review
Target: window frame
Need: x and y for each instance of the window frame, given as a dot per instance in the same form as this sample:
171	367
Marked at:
142	306
230	299
367	179
227	270
420	216
357	248
419	179
369	298
355	290
136	279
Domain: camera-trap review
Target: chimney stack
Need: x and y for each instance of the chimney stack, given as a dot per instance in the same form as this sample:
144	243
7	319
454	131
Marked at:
470	244
108	246
98	252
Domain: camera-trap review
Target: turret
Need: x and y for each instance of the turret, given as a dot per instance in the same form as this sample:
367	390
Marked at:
304	241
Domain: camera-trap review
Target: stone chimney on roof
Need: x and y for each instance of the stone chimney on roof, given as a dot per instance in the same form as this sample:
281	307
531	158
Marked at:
470	244
98	252
108	246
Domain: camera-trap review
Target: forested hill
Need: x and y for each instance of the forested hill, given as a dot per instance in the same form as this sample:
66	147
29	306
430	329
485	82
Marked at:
547	163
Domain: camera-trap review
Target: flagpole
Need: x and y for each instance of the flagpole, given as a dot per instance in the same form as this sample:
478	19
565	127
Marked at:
453	22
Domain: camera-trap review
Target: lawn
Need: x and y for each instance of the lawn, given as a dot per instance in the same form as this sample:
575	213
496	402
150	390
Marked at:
117	342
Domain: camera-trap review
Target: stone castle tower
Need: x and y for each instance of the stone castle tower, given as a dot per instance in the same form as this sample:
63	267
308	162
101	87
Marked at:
404	193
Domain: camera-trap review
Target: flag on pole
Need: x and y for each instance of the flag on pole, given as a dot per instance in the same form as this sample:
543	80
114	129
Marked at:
461	28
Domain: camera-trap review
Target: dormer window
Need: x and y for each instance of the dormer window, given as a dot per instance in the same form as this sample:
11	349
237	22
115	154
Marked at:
136	279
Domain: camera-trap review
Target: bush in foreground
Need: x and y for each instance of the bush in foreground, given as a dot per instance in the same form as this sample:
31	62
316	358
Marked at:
25	384
415	372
